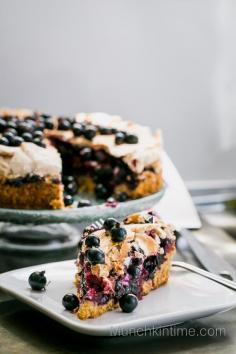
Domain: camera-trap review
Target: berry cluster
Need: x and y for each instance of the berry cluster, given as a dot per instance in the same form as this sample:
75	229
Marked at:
70	189
15	131
89	131
112	226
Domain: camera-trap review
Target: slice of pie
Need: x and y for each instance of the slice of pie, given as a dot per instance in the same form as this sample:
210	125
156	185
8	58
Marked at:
132	257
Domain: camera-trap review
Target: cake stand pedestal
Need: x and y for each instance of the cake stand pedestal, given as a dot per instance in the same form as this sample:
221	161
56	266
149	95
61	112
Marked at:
30	244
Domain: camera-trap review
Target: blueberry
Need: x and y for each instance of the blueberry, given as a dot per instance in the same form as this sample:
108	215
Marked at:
122	197
3	125
49	124
27	137
70	302
84	203
118	234
131	139
45	116
4	141
37	280
92	240
68	200
64	124
100	155
110	223
78	129
71	120
38	134
95	256
86	154
101	191
128	303
106	172
105	131
38	141
11	124
9	136
90	132
11	130
24	127
71	188
133	270
111	200
16	141
68	179
119	138
150	263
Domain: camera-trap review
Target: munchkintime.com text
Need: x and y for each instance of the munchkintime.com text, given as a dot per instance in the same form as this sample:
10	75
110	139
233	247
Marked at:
169	332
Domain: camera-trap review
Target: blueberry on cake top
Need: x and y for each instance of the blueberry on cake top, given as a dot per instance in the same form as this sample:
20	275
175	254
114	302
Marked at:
45	160
120	260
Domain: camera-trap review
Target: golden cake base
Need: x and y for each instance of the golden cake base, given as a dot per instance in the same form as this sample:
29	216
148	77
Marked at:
35	195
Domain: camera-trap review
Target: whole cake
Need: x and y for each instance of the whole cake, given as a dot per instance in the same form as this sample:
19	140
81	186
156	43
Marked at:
120	261
45	160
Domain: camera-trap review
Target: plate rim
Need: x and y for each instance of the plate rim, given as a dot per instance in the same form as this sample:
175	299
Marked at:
104	329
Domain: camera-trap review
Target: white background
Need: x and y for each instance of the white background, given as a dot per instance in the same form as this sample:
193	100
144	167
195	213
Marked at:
165	63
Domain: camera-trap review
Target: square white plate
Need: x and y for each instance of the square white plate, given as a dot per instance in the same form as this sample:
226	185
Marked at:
186	296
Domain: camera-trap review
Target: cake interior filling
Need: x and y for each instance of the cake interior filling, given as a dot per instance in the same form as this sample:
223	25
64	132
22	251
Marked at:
137	270
105	171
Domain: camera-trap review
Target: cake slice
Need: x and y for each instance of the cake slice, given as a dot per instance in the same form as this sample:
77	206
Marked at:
132	257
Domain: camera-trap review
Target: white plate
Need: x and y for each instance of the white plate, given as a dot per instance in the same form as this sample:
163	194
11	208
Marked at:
186	296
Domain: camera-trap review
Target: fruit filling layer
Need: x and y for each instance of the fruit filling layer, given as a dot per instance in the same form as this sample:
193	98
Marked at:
104	171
